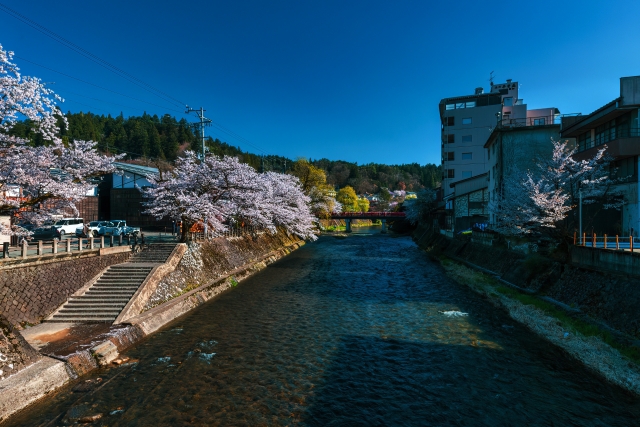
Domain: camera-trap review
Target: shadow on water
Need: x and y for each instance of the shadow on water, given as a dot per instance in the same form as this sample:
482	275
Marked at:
378	382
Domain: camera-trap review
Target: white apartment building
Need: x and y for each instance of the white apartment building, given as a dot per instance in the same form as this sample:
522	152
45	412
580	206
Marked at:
467	124
467	121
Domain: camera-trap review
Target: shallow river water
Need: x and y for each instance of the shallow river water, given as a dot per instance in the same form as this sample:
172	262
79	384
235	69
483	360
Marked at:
344	332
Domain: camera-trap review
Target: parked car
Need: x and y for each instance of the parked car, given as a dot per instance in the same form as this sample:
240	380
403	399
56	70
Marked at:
93	226
23	230
45	233
117	227
68	225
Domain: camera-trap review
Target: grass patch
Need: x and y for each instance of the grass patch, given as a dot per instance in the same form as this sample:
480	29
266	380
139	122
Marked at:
572	324
189	287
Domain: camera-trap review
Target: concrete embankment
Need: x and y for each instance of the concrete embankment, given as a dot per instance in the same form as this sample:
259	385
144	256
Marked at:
542	294
192	276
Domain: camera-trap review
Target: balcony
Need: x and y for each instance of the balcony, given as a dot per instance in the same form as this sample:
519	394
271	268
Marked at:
528	121
620	142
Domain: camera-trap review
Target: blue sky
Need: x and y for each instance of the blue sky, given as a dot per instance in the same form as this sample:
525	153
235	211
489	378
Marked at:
352	80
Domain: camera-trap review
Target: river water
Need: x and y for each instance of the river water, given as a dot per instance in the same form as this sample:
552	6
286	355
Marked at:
344	332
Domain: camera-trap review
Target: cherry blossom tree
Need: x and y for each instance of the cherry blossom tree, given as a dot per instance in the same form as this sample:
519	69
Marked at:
221	191
542	199
40	182
289	207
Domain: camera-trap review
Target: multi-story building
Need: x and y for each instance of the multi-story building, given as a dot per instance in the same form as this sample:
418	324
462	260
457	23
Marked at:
616	126
513	149
467	123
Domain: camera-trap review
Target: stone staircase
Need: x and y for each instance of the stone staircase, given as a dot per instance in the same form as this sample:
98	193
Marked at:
105	299
155	253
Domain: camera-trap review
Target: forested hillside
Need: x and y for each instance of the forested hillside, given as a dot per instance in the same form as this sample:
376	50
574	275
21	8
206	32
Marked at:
152	137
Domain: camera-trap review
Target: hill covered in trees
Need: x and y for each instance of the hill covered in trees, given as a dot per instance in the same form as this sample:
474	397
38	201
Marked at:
164	138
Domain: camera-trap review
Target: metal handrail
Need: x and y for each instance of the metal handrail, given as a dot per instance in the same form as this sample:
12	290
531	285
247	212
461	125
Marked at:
529	121
607	242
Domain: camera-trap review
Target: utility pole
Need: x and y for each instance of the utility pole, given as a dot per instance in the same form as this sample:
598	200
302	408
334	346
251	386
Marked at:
580	214
200	126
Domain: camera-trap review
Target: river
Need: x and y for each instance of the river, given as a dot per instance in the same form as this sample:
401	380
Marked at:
344	332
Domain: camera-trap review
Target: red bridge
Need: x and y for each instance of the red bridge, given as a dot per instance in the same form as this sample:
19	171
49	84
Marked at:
368	215
384	216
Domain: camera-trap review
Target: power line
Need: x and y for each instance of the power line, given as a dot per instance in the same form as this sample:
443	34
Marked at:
102	100
235	135
95	85
81	51
114	69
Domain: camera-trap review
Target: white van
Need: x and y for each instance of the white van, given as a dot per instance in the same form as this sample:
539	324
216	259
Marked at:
68	225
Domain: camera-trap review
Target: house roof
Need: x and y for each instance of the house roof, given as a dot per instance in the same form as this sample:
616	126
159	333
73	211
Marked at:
136	169
471	178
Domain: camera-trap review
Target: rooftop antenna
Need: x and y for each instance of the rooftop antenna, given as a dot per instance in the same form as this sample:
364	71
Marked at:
491	77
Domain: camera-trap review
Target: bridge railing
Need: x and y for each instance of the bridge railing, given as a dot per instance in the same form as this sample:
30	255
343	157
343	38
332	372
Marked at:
370	214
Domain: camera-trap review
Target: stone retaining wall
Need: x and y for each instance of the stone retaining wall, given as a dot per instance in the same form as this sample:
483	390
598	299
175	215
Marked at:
606	259
612	298
32	290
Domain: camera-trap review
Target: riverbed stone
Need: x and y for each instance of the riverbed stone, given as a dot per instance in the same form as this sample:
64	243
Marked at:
105	353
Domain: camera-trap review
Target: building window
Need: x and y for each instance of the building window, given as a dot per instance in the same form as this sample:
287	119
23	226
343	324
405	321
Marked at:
466	156
625	170
466	121
459	105
584	141
449	139
449	155
466	174
449	173
507	102
539	121
449	121
466	138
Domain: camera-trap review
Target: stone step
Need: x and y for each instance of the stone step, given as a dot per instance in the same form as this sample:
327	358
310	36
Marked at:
124	277
93	305
115	288
87	312
103	298
138	270
111	293
118	276
82	319
128	282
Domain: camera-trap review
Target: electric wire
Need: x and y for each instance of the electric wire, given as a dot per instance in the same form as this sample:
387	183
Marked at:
114	69
216	124
95	85
98	99
81	51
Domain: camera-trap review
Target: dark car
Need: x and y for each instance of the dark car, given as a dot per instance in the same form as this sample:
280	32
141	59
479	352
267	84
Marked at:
45	233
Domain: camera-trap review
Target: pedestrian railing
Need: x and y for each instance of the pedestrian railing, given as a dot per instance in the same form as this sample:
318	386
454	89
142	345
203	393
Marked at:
39	248
616	242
